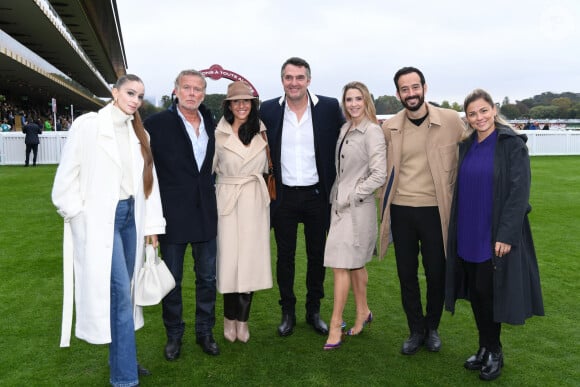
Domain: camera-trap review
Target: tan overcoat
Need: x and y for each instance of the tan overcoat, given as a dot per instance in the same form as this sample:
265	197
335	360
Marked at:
445	130
243	236
361	168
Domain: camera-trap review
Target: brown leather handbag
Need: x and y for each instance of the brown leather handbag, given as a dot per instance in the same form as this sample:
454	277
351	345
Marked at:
269	177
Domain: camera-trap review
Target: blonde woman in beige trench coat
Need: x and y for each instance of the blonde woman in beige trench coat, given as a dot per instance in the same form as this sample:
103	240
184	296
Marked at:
361	168
243	237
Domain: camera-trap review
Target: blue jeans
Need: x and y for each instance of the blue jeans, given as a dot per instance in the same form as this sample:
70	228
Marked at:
204	256
123	349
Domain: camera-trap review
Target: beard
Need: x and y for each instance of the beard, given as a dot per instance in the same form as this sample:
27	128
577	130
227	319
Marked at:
420	98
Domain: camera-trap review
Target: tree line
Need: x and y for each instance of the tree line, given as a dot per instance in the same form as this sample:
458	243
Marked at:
544	106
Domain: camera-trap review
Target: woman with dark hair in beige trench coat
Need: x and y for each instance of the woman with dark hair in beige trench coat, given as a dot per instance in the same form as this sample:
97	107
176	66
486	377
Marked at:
361	168
243	236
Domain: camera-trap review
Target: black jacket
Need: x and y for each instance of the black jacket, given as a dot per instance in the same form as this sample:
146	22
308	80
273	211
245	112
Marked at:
517	291
187	191
327	119
32	131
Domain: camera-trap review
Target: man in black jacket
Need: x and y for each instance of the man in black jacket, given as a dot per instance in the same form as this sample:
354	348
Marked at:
182	142
31	140
302	132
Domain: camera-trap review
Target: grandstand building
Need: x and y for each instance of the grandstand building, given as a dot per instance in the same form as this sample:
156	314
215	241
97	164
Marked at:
67	50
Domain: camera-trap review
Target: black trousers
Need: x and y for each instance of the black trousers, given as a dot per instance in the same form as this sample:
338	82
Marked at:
305	206
480	286
204	266
417	229
34	149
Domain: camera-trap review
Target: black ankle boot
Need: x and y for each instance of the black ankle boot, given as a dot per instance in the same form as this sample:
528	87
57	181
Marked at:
475	362
491	366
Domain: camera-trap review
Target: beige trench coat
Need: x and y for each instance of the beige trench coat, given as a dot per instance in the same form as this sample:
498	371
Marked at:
361	168
445	130
243	236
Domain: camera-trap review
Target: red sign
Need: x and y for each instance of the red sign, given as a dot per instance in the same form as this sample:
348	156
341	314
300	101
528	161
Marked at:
217	72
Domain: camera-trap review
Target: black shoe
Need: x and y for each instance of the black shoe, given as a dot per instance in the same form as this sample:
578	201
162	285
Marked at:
208	345
286	327
475	362
491	366
317	323
142	371
172	349
413	343
433	342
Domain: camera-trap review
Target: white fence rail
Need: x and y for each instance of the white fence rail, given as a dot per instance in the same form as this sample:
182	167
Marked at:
12	148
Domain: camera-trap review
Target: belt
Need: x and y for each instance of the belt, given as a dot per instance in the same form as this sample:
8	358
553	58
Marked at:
301	187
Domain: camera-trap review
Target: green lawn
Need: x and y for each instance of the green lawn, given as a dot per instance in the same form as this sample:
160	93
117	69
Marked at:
544	352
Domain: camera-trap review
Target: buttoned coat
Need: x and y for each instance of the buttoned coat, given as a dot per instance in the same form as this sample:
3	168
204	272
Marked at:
86	193
243	238
517	293
361	168
327	119
445	130
187	189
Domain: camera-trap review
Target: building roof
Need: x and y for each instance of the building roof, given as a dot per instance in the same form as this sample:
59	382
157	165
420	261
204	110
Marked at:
68	50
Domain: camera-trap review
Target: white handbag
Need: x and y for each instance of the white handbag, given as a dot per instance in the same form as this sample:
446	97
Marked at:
154	280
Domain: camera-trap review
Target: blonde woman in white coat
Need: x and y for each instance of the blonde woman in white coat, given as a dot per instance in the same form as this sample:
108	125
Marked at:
106	190
361	168
243	237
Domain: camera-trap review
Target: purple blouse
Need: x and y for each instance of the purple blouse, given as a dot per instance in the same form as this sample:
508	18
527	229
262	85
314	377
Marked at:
475	200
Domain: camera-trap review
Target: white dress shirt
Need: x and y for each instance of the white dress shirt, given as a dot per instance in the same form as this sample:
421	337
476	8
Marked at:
199	143
297	157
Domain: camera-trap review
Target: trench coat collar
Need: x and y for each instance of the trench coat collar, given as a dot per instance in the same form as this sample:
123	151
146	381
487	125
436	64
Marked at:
234	144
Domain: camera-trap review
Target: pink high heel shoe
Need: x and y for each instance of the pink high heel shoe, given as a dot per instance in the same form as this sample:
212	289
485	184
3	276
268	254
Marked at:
368	322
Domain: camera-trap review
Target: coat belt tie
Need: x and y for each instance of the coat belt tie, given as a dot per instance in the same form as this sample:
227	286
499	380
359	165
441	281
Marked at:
239	181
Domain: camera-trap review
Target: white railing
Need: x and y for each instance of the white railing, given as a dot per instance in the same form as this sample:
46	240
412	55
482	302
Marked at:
12	148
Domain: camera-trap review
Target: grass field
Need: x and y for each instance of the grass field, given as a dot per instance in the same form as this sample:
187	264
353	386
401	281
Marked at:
544	352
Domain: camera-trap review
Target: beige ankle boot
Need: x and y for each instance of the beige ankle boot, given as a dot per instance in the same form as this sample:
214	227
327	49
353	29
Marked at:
230	329
243	332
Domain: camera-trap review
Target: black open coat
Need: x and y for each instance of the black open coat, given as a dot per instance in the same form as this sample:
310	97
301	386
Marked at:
187	189
517	291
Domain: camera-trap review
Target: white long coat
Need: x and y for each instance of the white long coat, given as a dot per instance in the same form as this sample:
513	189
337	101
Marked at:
86	192
243	237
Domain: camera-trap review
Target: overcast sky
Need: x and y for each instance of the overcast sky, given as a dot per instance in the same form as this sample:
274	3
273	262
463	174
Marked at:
513	48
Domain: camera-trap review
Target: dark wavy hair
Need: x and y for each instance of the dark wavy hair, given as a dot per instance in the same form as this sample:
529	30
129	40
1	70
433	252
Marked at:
248	129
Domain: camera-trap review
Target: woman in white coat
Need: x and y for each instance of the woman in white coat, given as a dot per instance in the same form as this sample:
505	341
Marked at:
106	190
361	168
243	237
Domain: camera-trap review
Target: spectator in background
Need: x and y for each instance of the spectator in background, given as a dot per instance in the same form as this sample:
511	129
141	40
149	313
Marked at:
31	130
546	126
47	125
491	258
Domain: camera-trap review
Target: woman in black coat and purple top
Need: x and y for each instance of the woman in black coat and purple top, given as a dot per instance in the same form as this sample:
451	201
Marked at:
491	258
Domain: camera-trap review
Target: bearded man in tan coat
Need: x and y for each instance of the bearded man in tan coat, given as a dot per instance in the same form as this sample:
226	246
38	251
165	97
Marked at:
421	166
